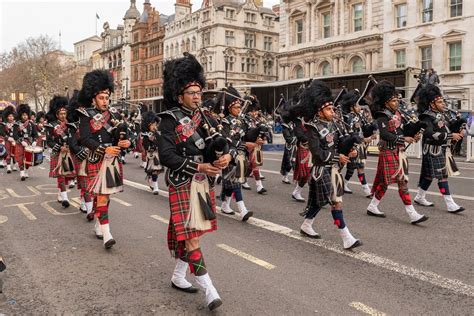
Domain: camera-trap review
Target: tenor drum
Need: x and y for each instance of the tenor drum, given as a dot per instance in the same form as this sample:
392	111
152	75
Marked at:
33	155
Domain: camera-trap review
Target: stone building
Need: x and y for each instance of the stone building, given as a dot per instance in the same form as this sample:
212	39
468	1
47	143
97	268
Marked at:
235	40
84	49
330	37
433	34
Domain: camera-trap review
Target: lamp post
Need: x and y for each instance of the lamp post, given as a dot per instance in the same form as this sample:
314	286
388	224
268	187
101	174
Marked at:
66	89
226	59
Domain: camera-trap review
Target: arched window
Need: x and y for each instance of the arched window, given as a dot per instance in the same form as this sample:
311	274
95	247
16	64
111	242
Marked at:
298	72
357	64
183	47
193	44
188	45
325	68
114	61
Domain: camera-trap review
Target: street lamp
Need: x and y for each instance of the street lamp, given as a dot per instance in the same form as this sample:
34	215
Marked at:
66	88
226	59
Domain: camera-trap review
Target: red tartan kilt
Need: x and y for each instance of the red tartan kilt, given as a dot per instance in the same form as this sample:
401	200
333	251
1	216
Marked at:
93	170
81	180
20	155
386	168
10	150
139	146
302	169
179	208
252	161
54	169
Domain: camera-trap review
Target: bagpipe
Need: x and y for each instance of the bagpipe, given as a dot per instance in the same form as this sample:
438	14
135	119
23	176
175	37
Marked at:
369	126
348	140
456	123
216	144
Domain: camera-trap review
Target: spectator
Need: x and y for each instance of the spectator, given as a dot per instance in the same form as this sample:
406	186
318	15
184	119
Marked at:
432	77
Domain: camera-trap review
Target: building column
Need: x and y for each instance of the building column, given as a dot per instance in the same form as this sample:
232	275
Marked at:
341	65
311	69
307	69
375	57
368	61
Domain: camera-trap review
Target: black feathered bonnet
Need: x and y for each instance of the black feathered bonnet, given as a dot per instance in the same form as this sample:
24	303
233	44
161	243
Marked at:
180	74
22	108
93	83
348	100
382	92
7	111
56	104
314	98
147	119
426	95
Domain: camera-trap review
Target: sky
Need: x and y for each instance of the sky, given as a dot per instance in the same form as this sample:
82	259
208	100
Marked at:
74	19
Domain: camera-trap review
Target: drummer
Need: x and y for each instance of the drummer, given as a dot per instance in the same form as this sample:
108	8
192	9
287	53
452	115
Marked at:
24	135
58	135
6	133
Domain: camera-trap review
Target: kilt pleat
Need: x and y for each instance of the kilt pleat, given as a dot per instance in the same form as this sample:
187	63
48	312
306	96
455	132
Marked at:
434	167
303	164
387	168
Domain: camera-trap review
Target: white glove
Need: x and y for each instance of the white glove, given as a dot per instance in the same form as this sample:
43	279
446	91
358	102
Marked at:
34	144
11	140
24	144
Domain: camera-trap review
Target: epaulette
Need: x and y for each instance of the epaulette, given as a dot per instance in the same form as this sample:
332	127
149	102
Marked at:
171	113
87	112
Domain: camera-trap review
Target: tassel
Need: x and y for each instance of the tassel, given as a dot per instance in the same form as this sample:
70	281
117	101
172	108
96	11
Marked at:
258	156
71	163
110	182
118	178
337	184
64	165
453	169
206	207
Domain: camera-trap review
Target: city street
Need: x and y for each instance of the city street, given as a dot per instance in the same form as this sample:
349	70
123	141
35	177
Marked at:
55	264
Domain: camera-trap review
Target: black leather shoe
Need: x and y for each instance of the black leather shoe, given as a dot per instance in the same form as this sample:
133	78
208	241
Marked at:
247	216
262	191
109	243
460	209
375	215
90	217
190	289
423	219
215	304
65	204
317	236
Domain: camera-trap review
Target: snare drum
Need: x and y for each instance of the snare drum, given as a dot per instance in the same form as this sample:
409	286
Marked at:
33	155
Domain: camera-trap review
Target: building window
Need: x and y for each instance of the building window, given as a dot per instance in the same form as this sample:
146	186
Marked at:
193	44
299	72
267	21
209	61
204	63
426	57
206	39
455	8
229	38
135	74
299	31
135	37
326	24
229	13
205	15
267	43
401	17
249	40
426	11
249	65
268	67
357	65
176	49
400	55
230	63
326	69
455	56
358	14
250	17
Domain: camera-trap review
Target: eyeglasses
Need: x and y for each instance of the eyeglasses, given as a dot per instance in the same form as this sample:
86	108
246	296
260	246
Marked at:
193	93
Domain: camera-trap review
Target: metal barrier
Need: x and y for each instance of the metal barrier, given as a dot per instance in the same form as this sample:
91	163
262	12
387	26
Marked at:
413	151
470	149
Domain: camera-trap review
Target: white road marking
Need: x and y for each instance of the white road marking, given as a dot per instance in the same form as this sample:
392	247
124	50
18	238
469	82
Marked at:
46	205
414	172
42	168
366	309
391	187
246	256
15	195
24	210
160	219
121	201
453	285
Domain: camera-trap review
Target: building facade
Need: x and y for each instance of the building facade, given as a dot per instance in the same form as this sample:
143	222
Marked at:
84	49
330	37
235	40
148	34
433	34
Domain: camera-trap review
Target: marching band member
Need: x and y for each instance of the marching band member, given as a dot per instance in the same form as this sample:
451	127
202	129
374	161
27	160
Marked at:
41	129
290	147
390	168
150	145
303	163
326	183
6	132
101	132
61	162
80	154
355	119
436	142
182	148
24	134
234	176
255	154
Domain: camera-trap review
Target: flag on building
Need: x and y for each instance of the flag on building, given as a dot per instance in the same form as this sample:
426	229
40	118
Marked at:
97	16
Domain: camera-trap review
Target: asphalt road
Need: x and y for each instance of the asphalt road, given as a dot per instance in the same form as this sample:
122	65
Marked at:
56	265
